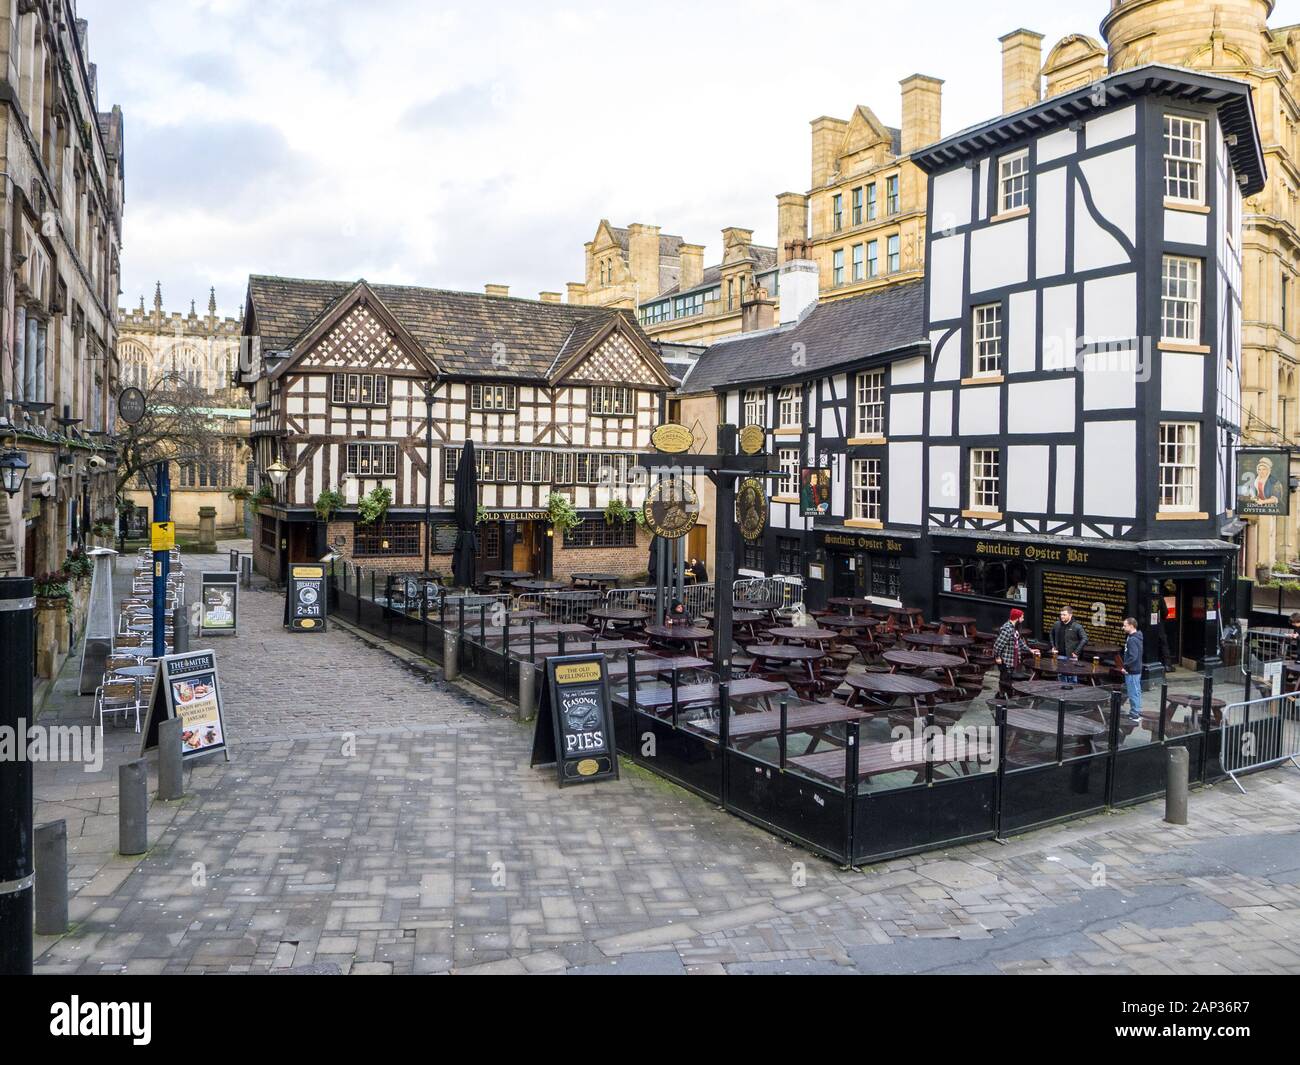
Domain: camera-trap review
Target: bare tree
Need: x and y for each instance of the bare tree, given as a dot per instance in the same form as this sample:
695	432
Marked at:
176	426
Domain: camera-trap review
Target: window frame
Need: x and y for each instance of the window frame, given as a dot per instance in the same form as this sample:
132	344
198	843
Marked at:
859	262
987	348
1193	279
1013	186
602	401
1175	484
869	397
789	405
788	460
893	199
753	400
985	468
866	493
352	458
837	267
894	254
1194	177
837	212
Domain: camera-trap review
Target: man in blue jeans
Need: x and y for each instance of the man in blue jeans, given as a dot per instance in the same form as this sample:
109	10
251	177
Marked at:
1133	668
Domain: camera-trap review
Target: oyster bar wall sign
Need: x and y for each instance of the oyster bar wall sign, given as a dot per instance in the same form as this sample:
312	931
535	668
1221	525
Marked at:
671	508
575	722
672	439
187	685
306	598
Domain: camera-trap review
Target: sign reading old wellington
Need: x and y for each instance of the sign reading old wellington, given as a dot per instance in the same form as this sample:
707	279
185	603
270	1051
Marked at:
672	439
575	722
671	508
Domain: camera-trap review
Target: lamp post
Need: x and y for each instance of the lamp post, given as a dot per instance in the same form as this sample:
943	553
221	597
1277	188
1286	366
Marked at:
162	560
429	387
277	473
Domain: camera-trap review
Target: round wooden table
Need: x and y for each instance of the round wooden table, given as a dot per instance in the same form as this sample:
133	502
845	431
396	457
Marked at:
504	575
967	625
797	632
935	641
617	617
539	585
919	660
1080	694
909	617
851	604
738	617
596	580
885	689
1195	702
1048	668
849	624
683	634
785	654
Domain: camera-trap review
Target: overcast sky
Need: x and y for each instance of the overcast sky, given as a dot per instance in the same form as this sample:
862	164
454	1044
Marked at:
456	143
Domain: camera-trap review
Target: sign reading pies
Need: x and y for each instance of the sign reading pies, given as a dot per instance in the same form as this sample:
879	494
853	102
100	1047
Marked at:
752	439
751	508
672	439
671	508
574	730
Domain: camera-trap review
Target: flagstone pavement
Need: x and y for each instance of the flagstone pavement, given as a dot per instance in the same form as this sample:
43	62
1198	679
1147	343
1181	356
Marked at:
374	819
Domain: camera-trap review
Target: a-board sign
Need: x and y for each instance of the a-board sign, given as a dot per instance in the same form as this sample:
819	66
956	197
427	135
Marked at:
186	685
575	722
162	536
307	599
218	603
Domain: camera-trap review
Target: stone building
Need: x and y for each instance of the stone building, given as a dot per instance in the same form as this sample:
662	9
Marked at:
204	350
60	238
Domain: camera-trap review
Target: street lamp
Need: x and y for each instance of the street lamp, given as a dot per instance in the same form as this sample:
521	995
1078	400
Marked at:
278	472
13	468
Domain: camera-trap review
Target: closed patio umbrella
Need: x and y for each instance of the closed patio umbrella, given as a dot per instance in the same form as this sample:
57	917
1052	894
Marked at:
462	563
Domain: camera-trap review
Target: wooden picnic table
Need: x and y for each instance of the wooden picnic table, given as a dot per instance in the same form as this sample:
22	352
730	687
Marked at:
688	635
606	647
744	730
935	641
848	623
1078	733
803	632
786	654
537	585
650	666
967	625
1195	702
657	696
1046	668
738	617
524	629
850	603
883	690
919	660
1082	695
875	759
619	617
595	580
909	617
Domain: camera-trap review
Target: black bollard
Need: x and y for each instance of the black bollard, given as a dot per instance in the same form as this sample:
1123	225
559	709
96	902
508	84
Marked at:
171	778
17	654
52	879
132	807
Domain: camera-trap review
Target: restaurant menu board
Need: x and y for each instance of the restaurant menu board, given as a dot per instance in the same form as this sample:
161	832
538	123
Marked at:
575	722
186	685
306	602
218	603
1100	604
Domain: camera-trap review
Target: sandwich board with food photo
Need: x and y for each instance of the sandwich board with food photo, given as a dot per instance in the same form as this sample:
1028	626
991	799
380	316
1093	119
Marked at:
187	686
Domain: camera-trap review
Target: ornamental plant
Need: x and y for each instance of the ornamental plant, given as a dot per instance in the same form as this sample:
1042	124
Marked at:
328	504
562	514
618	510
262	495
78	565
52	585
372	507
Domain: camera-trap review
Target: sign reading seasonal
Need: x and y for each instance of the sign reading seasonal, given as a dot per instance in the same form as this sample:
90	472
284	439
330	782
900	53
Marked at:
1263	483
306	602
671	508
575	722
218	603
186	685
130	405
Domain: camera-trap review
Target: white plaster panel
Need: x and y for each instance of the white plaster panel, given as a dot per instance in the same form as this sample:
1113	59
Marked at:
1109	380
947	356
947	274
906	414
1060	326
1000	255
1057	145
1027	478
952	194
1065	460
941	413
1049	223
1112	182
1041	406
1186	227
983	200
1110	469
1182	381
980	410
1094	248
1110	125
945	478
1022	333
908	372
1110	309
905	481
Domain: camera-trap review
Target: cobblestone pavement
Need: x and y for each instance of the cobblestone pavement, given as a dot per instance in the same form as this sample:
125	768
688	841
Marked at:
375	821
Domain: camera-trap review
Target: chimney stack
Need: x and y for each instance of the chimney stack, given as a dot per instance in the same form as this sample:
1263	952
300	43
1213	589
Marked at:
922	105
1022	66
791	221
577	292
798	281
550	297
497	290
692	266
757	311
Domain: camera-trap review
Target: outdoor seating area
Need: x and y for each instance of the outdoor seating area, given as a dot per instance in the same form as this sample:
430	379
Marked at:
127	683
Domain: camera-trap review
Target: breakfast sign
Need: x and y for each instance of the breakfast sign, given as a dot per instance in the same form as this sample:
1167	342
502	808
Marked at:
186	686
306	599
575	722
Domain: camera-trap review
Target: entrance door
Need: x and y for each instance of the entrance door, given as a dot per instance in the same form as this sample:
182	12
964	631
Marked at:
697	544
530	548
302	542
1184	605
843	578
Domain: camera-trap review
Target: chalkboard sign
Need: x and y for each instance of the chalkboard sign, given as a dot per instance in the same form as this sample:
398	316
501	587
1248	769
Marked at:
444	538
186	685
575	723
306	604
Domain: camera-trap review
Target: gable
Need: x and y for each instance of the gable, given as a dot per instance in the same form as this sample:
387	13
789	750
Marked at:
616	361
865	131
360	341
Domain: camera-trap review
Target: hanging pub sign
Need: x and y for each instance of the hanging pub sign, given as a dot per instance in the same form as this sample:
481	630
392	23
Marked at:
1263	483
306	598
671	508
186	685
752	439
672	439
130	405
574	730
218	603
814	492
751	508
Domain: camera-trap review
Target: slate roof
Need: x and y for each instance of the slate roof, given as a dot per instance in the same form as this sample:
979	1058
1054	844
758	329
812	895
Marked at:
764	260
832	334
458	331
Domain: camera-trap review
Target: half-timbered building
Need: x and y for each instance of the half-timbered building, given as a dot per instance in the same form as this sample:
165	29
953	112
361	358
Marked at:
347	379
1050	416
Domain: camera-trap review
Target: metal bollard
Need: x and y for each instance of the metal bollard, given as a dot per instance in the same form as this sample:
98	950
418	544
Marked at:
527	689
180	631
1176	766
171	772
52	879
133	807
451	655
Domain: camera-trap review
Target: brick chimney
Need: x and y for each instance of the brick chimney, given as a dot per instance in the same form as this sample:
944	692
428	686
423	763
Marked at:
550	297
791	221
692	266
577	292
1022	65
922	105
497	290
757	310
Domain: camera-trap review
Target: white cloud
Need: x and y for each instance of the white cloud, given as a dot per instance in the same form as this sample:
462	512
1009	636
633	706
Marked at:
456	143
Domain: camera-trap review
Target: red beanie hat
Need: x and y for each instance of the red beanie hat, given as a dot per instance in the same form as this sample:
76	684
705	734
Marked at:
1017	614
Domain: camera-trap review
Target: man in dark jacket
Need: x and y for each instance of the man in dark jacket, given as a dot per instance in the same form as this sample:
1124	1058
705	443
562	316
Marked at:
1069	639
1133	668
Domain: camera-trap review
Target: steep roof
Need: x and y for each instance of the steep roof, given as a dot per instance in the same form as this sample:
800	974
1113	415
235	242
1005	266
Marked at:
462	333
845	331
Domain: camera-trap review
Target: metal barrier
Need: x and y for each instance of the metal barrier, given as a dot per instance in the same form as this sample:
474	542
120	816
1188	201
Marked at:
699	598
780	592
1260	733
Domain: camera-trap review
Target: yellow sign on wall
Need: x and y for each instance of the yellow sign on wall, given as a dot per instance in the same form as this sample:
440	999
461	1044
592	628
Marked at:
162	536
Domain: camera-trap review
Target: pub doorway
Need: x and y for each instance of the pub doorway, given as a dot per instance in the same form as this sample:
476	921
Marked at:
1183	621
529	552
844	576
